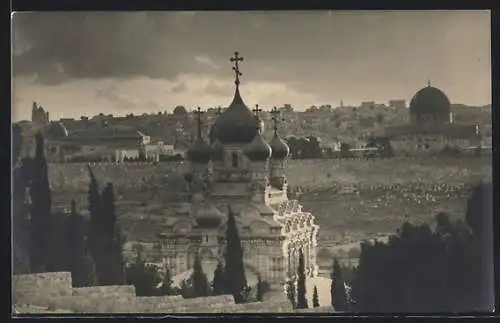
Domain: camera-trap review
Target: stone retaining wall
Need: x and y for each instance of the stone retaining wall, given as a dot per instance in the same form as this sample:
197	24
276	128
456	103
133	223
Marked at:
52	293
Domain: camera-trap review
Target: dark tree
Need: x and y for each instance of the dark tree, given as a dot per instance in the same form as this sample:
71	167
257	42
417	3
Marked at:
20	204
199	280
315	297
259	289
78	260
235	280
337	289
301	283
113	239
438	271
41	255
290	292
166	284
218	283
145	278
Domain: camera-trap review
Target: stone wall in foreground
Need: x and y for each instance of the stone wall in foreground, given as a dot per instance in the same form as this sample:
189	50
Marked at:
53	293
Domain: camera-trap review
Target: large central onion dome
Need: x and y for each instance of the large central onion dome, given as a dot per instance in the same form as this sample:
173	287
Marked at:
237	124
258	149
430	101
279	147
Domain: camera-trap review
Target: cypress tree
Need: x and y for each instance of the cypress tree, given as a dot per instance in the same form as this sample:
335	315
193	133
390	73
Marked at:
260	293
144	278
290	292
218	282
301	283
20	219
338	292
40	210
78	260
96	236
166	284
113	239
199	279
315	297
236	283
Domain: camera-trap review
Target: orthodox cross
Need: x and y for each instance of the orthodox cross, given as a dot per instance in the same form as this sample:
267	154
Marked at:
236	59
257	110
428	82
276	118
198	112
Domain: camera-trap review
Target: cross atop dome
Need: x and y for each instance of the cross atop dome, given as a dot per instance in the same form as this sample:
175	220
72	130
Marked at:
276	118
236	59
198	113
429	82
256	110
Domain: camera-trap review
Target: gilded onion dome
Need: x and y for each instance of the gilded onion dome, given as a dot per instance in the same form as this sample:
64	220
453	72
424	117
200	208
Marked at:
258	149
279	147
199	152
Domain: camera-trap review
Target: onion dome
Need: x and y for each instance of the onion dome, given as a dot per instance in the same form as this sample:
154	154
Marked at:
279	147
199	152
258	149
430	100
217	151
56	130
209	216
237	124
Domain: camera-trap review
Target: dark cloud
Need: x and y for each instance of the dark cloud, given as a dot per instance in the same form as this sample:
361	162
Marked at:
295	47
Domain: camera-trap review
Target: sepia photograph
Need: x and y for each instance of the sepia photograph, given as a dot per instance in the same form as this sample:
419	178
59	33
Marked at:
280	162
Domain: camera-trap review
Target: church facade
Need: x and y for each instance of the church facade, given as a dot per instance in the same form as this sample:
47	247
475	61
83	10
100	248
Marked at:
235	169
431	127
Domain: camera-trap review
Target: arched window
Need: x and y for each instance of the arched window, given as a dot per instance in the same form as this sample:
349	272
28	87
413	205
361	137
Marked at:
234	160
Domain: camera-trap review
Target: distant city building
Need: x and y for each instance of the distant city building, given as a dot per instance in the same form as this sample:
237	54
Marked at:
431	126
397	104
38	115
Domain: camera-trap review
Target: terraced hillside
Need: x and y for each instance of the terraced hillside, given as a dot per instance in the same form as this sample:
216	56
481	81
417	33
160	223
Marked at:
350	198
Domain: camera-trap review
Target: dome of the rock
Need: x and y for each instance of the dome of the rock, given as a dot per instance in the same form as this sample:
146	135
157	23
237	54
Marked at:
430	101
199	152
279	147
237	124
258	149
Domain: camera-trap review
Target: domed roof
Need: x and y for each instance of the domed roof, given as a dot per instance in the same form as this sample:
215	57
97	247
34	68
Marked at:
217	151
237	124
279	147
258	149
209	216
430	100
56	130
199	152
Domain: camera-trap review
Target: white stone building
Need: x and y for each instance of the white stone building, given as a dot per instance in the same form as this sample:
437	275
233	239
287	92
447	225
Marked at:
239	170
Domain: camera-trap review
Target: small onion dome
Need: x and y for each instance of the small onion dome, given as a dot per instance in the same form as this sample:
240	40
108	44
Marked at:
237	124
199	152
217	151
258	149
279	147
209	216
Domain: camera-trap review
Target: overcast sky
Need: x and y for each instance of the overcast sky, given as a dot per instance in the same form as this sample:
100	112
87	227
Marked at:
78	63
